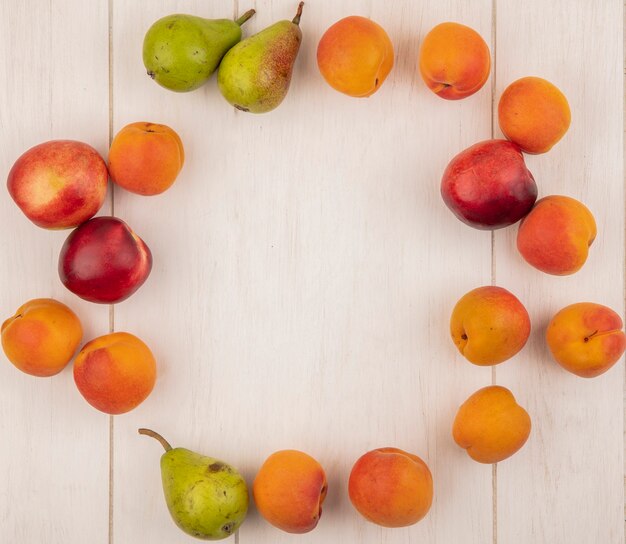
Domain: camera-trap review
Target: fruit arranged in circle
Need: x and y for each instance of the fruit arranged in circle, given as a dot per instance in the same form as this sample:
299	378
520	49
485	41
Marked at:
454	61
534	114
104	261
489	325
355	56
289	490
145	158
490	425
59	184
488	186
255	74
42	337
586	338
115	372
391	487
180	52
207	498
556	235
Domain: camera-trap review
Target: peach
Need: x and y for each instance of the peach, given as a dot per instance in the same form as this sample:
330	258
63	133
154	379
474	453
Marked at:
534	114
289	490
145	158
586	338
454	61
489	325
354	56
556	235
115	372
490	425
59	184
42	337
391	487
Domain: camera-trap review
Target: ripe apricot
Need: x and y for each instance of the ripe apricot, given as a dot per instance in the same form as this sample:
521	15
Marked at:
534	114
115	372
556	235
490	425
289	490
145	158
454	61
355	55
42	337
586	338
391	487
489	325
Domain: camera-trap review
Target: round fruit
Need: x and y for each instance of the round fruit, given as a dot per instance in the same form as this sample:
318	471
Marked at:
115	372
42	337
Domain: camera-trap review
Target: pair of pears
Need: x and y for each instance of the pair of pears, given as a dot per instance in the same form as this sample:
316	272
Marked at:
180	52
206	497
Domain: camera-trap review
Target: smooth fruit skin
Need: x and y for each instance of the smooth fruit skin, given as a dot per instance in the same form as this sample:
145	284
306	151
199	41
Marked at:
454	61
59	184
180	52
42	337
489	325
586	338
145	158
355	56
255	75
490	425
488	186
104	261
391	487
207	498
115	372
534	114
556	235
289	490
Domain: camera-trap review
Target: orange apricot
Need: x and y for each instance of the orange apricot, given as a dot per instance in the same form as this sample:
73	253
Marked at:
490	425
355	55
391	487
586	338
42	337
534	114
489	325
289	490
454	61
115	372
145	158
556	235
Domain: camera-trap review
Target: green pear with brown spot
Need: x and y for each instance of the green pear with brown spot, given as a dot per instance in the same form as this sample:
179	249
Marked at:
255	74
206	497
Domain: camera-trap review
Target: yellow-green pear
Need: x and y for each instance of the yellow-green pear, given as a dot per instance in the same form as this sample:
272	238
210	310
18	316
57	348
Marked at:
207	498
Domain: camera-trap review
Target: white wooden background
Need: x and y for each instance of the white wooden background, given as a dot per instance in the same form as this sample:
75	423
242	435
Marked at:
305	268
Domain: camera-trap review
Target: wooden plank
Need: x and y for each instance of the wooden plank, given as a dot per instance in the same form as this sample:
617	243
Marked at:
305	269
566	485
54	457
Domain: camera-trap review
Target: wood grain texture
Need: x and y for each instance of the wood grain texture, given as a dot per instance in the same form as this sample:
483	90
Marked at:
566	485
54	457
305	268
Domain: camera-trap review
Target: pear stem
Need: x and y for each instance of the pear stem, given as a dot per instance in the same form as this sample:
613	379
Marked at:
164	442
245	17
296	19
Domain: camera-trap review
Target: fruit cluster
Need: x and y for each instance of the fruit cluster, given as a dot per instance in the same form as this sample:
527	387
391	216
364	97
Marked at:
62	184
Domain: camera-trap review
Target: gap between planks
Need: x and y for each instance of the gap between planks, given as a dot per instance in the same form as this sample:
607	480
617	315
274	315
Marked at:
111	306
494	467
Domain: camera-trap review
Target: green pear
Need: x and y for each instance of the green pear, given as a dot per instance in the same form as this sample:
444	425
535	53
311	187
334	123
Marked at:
207	498
181	51
255	74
